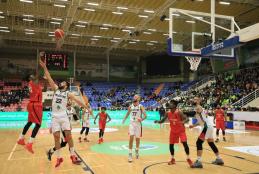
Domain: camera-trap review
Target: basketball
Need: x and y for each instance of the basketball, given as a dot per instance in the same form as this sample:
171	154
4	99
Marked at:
59	33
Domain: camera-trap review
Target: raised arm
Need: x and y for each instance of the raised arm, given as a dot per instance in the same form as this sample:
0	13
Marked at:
73	98
47	75
126	116
162	120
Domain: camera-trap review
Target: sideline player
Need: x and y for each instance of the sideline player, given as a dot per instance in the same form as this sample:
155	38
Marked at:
102	122
177	130
135	111
220	118
206	134
60	120
85	124
35	112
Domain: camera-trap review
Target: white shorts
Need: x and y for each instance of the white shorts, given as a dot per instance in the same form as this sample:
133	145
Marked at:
207	134
135	129
86	123
60	124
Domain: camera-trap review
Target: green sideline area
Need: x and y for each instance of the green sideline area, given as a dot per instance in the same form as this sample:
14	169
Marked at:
16	120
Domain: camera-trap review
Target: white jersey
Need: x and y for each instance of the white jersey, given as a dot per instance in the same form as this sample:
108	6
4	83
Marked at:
86	121
136	113
205	118
59	103
70	113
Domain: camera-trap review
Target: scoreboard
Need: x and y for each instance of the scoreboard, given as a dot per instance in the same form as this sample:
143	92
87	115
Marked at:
59	64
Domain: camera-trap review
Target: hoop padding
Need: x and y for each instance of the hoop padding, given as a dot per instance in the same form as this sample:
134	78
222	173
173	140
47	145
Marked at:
194	62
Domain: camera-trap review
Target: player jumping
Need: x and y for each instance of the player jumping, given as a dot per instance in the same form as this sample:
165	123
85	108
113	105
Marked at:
177	120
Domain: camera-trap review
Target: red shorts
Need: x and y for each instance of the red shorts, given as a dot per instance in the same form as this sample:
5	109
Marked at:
220	125
102	125
175	136
35	112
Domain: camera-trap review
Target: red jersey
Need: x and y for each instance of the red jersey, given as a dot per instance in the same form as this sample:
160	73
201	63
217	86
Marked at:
35	92
220	115
102	117
176	123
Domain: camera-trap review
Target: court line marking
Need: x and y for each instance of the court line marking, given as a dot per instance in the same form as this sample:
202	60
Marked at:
86	168
11	153
151	165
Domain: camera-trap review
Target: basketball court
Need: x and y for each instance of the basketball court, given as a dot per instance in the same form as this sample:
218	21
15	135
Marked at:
193	32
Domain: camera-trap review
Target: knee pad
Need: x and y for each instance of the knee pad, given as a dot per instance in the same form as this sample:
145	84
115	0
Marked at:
213	147
199	143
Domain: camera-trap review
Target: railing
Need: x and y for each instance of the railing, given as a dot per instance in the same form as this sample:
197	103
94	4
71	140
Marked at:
247	99
201	82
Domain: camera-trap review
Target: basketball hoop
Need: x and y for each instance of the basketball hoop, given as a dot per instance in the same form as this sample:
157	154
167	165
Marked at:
194	62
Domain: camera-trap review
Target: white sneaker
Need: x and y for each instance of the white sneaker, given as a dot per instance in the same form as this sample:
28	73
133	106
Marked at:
137	154
130	158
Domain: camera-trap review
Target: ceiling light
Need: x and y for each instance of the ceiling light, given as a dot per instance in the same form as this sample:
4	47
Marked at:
94	39
116	38
29	20
104	28
151	29
30	30
59	5
89	9
174	32
92	3
198	17
167	19
145	32
135	40
224	3
154	41
51	32
130	27
108	25
125	30
143	16
29	33
25	15
51	35
27	1
57	19
2	17
117	13
58	23
82	22
132	42
114	41
1	12
150	44
5	31
166	34
3	27
200	0
149	11
63	0
74	34
81	26
97	36
192	22
122	8
175	14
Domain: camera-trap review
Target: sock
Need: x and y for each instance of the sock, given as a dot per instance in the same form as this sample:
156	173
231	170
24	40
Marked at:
52	150
199	158
172	156
72	150
21	136
130	150
57	152
31	140
137	149
187	157
218	157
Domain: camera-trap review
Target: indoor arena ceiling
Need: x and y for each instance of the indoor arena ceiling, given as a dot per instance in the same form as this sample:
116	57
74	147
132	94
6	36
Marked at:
101	26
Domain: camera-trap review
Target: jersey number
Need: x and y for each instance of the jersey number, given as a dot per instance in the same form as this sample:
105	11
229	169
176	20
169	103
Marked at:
58	100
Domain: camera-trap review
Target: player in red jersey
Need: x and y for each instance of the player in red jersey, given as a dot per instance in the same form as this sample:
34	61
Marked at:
220	118
176	119
34	109
103	116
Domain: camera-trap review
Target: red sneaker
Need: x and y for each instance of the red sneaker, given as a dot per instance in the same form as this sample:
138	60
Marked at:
189	161
86	140
172	162
75	160
59	161
99	141
28	146
21	141
79	139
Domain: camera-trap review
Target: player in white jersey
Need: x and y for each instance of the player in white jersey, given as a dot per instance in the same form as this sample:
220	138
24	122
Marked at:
60	121
206	134
70	111
85	123
135	111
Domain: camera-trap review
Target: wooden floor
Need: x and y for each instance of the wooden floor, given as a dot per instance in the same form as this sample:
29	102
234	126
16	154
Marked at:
14	159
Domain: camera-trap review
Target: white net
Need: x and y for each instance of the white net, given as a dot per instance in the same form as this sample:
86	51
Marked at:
194	62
